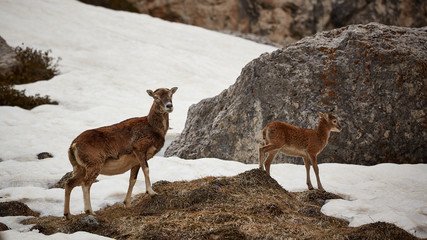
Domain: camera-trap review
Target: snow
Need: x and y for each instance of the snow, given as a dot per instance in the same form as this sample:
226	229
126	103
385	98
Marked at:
109	60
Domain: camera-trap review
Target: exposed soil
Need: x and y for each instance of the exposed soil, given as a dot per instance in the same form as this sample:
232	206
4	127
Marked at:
250	205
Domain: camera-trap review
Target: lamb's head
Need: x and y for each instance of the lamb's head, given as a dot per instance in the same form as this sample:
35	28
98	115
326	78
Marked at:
330	121
163	98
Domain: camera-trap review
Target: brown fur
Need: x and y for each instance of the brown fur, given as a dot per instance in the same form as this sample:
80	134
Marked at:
297	142
115	149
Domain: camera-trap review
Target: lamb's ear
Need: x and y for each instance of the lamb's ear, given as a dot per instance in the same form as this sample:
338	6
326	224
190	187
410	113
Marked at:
173	90
326	116
323	115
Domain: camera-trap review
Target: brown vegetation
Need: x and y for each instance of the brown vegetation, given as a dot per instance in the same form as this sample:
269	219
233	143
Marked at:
35	65
250	205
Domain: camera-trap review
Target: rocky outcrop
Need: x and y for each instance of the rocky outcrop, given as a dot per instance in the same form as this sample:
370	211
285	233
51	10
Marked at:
8	59
113	4
280	21
373	77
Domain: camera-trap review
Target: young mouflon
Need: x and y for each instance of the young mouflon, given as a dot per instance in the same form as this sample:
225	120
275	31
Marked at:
298	142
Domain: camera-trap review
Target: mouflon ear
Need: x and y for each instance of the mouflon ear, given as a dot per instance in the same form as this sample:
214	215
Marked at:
174	89
150	92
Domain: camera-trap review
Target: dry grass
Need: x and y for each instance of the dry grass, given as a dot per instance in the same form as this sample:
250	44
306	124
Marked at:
250	205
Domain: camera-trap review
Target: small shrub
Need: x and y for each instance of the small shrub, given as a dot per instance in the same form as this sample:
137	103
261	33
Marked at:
13	97
34	66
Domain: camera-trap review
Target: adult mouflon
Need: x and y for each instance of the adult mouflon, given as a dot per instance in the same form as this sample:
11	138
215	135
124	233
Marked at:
115	149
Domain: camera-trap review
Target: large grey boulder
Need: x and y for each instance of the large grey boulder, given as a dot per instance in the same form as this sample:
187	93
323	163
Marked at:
373	77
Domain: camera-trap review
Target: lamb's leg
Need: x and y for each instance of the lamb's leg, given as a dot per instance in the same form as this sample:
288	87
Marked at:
272	150
261	152
316	171
269	160
132	180
261	158
307	169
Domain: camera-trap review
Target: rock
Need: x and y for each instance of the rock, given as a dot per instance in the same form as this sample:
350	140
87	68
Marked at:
89	221
16	208
3	227
8	59
373	77
63	180
253	38
44	155
281	21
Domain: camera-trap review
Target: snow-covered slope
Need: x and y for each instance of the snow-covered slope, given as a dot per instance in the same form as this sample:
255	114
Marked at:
109	60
